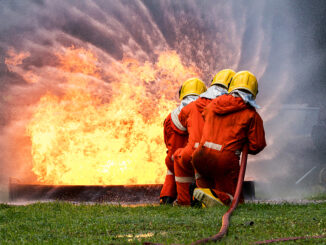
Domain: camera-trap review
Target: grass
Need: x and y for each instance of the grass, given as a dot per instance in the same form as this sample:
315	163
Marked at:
66	223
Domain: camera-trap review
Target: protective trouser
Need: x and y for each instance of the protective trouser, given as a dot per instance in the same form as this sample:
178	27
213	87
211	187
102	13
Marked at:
192	121
169	187
184	174
218	170
173	140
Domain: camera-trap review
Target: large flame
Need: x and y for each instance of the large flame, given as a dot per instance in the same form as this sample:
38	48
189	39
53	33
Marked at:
107	126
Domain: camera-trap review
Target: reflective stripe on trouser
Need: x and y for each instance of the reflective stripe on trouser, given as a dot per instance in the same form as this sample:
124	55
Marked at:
184	179
184	173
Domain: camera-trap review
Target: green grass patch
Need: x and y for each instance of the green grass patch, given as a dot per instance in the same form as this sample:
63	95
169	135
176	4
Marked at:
66	223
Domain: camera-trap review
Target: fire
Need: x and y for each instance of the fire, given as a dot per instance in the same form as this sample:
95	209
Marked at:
13	62
13	58
106	126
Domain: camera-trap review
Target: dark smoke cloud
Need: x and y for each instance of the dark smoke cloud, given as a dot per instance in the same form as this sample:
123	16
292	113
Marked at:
280	41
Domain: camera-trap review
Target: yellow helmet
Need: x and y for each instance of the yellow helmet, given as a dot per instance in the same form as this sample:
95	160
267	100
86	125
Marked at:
192	86
223	77
244	80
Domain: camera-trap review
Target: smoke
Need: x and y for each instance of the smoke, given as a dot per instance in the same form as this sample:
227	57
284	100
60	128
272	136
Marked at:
264	37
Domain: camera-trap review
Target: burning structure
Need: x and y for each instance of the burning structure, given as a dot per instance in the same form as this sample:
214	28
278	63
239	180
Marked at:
85	86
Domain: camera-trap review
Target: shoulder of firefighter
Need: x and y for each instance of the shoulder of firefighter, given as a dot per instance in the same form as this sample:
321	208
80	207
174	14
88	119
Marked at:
180	124
175	113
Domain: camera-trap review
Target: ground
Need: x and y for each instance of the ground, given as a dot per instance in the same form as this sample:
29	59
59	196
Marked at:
62	222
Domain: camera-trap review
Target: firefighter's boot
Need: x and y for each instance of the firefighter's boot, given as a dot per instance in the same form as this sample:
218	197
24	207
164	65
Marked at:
166	200
194	202
207	197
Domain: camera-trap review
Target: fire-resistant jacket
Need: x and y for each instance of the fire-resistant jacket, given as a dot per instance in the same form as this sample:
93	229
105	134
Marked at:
229	123
173	140
192	122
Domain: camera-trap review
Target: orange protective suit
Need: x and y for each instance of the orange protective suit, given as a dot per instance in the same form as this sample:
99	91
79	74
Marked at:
191	119
229	124
173	140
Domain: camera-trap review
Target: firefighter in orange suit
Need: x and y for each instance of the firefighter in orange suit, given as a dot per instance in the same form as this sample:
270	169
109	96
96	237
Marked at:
230	122
191	120
173	139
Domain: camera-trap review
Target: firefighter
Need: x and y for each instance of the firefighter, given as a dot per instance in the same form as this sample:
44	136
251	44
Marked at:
188	92
191	121
230	122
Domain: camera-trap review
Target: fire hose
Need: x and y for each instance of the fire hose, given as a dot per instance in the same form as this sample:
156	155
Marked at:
234	204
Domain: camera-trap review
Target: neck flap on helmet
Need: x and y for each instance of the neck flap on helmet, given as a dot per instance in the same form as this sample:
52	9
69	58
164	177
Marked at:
213	92
247	97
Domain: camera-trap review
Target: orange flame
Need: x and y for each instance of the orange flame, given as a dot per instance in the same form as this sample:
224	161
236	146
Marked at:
14	61
107	127
13	58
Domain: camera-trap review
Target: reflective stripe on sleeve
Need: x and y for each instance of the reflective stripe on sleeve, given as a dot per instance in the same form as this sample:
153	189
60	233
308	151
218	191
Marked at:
184	179
213	146
176	122
196	145
168	172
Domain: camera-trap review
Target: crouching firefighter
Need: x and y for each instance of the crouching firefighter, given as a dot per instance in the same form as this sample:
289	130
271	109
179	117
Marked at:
191	121
173	139
231	121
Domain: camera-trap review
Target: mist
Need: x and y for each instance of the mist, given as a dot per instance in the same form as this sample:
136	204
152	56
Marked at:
279	41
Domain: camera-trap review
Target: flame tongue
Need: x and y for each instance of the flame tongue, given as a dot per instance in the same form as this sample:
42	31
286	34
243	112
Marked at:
89	136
